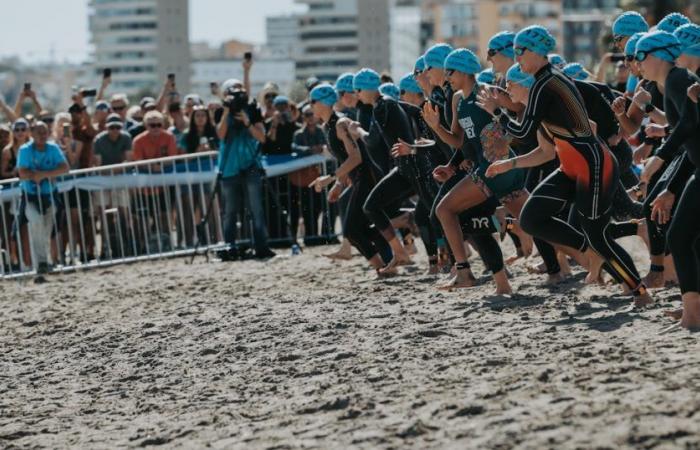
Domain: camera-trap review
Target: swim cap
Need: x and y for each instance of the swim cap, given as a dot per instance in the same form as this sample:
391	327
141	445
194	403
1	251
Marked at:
631	85
556	60
435	56
390	90
537	39
408	83
503	43
280	100
671	22
575	71
463	60
344	83
420	64
689	37
367	80
486	76
516	75
661	44
628	23
325	94
631	45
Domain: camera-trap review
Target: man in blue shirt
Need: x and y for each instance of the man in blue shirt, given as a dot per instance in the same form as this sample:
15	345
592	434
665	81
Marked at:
40	161
241	132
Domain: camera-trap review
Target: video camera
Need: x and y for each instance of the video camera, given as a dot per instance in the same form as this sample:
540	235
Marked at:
236	101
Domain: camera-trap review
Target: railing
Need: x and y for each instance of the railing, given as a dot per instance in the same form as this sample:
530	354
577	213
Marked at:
148	209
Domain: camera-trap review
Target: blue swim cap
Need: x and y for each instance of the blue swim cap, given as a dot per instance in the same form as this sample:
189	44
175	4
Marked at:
344	83
516	75
486	76
671	22
536	38
661	44
628	23
420	64
463	60
631	45
576	71
409	84
556	60
689	37
435	56
390	90
503	43
325	94
367	80
280	100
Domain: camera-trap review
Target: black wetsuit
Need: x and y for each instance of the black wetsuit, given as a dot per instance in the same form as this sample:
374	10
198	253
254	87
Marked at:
357	228
587	176
683	142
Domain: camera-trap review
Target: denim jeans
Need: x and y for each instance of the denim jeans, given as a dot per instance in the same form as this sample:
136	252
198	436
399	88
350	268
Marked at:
246	187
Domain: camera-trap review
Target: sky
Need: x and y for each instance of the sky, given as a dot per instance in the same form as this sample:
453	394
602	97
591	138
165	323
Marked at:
61	27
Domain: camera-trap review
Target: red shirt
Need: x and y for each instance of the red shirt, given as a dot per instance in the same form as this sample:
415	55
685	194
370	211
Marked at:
146	146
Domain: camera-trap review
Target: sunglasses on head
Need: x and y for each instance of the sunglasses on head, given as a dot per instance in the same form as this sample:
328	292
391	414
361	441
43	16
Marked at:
493	51
155	125
519	51
643	54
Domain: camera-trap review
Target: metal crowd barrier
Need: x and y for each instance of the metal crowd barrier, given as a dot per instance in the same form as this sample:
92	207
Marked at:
149	209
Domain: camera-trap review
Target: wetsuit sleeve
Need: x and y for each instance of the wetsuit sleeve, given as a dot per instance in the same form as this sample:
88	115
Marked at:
688	118
681	176
393	122
539	101
457	158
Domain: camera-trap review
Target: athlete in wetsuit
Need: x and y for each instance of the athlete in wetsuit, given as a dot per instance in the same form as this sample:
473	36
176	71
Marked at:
588	173
355	169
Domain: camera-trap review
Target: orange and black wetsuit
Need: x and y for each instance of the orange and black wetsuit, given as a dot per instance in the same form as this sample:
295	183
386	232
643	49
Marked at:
587	175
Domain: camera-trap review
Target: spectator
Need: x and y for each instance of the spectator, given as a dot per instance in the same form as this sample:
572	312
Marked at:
177	119
267	96
8	169
622	72
113	146
120	104
280	135
154	143
134	121
48	118
39	162
241	133
102	110
24	95
307	203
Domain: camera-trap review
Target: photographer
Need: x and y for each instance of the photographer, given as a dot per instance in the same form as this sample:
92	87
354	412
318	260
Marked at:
241	132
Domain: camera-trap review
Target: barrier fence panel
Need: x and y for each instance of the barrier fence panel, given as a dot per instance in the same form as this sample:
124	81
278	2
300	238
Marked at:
149	209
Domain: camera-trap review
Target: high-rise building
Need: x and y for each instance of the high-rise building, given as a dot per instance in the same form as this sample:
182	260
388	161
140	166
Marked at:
337	36
584	23
282	36
405	37
141	41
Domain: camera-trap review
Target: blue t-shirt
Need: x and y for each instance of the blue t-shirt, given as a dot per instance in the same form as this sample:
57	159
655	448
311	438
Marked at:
32	159
243	151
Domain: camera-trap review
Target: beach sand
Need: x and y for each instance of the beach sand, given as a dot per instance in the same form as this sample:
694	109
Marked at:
301	352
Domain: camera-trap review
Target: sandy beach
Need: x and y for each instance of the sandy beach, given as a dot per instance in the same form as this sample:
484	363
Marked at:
301	352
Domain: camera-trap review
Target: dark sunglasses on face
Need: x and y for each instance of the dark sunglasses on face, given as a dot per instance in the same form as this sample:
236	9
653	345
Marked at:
313	102
402	91
493	51
114	127
642	55
417	72
19	129
47	120
629	58
155	125
519	51
449	72
118	108
618	39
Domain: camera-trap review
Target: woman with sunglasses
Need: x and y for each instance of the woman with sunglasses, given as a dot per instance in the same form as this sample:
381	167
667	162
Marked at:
8	169
624	26
470	126
588	173
355	172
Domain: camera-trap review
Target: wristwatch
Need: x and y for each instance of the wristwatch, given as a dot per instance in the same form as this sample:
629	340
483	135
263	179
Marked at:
649	108
497	112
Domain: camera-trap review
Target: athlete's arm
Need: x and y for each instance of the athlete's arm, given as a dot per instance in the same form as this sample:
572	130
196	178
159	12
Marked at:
354	156
452	137
545	151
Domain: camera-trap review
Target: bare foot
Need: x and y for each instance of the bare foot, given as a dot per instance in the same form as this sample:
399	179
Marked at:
691	311
554	278
537	269
339	255
396	262
504	290
642	300
595	264
511	259
654	280
675	314
387	272
565	268
526	242
463	279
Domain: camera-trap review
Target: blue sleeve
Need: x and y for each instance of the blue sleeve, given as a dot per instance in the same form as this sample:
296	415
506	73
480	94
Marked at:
24	158
57	155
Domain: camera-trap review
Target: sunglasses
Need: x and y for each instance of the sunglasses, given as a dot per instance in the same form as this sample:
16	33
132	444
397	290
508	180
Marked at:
618	39
427	69
449	72
313	102
357	91
519	51
417	72
118	108
642	55
629	58
493	51
155	125
20	129
114	127
47	120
